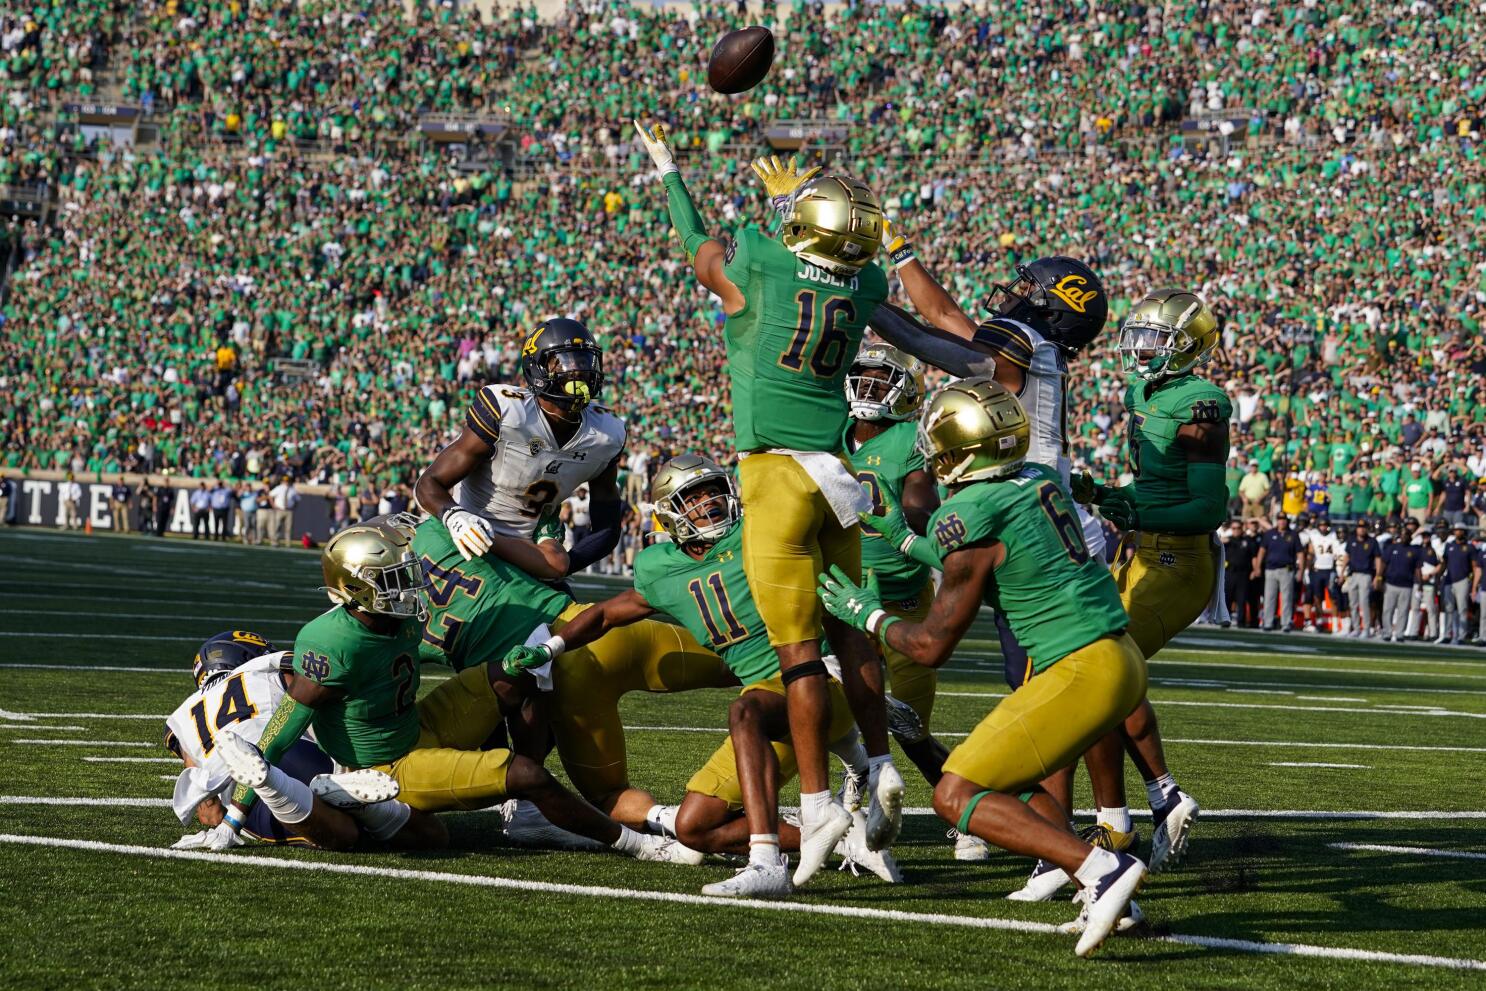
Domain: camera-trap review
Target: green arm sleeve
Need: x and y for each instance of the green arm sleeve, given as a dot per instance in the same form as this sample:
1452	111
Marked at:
1203	511
287	725
684	216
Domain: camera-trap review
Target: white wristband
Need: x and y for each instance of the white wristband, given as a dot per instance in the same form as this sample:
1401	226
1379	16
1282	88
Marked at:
908	542
555	646
874	620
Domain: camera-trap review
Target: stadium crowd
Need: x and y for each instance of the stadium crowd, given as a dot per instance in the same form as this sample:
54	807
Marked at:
291	210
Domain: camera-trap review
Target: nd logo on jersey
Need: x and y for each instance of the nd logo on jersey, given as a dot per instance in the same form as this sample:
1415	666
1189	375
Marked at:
1067	291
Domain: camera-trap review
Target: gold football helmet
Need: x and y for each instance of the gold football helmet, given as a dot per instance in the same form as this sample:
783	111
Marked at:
974	430
683	511
1168	333
372	566
834	222
898	396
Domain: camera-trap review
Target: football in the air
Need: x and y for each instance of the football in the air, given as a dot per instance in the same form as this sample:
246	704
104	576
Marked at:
740	60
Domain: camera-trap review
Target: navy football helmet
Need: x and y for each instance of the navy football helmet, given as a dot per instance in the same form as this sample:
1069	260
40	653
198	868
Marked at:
227	652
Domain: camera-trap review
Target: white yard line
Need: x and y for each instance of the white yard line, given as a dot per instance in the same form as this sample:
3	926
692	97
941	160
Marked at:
310	608
190	617
134	760
1383	689
788	907
1409	850
1308	763
1328	698
98	636
83	743
1310	669
34	727
1328	746
1378	711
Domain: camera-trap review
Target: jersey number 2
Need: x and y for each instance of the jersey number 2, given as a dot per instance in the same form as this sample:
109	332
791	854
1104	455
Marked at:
830	350
234	708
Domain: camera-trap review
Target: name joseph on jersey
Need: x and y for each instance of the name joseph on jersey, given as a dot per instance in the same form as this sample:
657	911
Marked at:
529	472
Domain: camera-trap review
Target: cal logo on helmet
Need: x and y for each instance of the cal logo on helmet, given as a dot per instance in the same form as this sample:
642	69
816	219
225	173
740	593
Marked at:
1067	290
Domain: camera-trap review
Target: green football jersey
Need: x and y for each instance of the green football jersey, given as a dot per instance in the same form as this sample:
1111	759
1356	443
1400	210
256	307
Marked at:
790	346
711	598
881	464
1056	597
375	721
480	609
1157	412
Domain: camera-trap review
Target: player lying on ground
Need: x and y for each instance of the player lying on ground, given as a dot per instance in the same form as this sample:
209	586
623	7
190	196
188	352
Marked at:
1008	535
241	678
731	805
478	609
796	310
357	676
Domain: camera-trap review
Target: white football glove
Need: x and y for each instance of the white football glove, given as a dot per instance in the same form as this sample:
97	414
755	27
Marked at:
660	152
471	534
222	837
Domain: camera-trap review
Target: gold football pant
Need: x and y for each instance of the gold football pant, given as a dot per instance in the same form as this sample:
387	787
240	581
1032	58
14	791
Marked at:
1165	585
909	682
648	656
1049	722
446	769
790	535
719	776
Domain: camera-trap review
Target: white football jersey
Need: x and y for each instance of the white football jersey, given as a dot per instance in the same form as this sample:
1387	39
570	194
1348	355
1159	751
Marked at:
1045	370
244	701
529	473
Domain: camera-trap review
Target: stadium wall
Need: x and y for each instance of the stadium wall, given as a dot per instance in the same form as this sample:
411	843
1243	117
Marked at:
38	502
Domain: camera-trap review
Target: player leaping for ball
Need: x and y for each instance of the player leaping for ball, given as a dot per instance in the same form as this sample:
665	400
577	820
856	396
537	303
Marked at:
797	307
1008	534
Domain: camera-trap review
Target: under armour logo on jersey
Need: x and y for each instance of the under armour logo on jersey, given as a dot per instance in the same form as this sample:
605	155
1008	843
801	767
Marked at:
725	556
875	460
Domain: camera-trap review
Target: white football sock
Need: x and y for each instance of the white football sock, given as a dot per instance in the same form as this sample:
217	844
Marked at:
1160	791
289	799
629	842
1097	864
1116	819
763	848
849	748
382	820
662	819
813	806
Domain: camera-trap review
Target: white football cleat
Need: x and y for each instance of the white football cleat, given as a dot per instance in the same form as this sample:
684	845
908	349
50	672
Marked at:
970	848
854	853
664	850
885	814
1105	901
354	790
1170	839
1045	881
1133	917
244	761
853	786
755	881
818	839
526	826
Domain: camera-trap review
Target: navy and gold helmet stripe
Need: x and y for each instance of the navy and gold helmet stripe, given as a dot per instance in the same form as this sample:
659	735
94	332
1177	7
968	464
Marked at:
1008	339
483	418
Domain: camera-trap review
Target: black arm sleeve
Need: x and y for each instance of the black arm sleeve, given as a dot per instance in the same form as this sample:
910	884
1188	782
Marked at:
939	348
607	517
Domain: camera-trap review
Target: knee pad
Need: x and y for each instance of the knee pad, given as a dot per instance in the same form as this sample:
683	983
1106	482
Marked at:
810	669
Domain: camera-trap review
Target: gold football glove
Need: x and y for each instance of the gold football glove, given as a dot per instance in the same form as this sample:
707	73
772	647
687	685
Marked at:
660	152
781	180
896	244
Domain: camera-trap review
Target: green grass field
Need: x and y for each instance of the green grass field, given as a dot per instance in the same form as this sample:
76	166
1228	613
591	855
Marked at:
1304	753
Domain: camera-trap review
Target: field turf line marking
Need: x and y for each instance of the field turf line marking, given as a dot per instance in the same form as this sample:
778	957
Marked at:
1379	711
805	908
44	728
1321	814
132	760
1328	746
1310	763
83	743
100	636
1310	669
143	616
1416	850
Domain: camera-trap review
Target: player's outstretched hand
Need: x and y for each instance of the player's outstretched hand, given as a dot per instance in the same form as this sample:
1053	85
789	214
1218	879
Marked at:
219	838
470	533
655	143
781	180
895	243
859	605
519	659
1081	486
893	528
